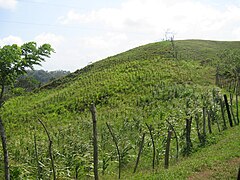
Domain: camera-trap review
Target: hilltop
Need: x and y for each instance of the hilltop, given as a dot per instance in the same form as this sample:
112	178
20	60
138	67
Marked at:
148	84
201	50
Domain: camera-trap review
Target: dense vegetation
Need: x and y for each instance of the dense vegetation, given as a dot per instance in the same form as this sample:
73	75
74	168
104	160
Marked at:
36	78
146	85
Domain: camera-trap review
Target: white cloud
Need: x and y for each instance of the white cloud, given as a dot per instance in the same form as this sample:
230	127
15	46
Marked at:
50	38
108	41
8	4
137	22
187	18
236	32
75	53
11	40
58	60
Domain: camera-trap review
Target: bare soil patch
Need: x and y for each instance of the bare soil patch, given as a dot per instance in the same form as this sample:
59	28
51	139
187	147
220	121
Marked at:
225	170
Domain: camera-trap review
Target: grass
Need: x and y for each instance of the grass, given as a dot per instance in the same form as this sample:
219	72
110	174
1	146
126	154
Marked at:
145	84
217	161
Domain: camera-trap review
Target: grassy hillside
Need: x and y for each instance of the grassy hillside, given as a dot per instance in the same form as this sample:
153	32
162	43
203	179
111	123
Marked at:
218	161
143	85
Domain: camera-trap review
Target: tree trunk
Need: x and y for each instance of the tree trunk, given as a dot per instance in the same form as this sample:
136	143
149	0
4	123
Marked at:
95	144
5	151
4	138
1	95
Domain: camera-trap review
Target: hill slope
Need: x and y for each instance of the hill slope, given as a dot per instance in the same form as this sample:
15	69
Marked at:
218	161
143	85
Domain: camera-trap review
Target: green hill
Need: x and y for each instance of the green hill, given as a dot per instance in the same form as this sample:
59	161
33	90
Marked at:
148	84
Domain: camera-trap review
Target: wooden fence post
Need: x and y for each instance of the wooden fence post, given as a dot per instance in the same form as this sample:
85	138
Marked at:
228	110
204	122
238	178
95	143
237	111
139	153
188	135
209	122
223	116
167	152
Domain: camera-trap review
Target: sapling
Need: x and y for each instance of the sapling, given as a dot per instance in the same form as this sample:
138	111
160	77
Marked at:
118	151
200	136
176	137
150	128
139	152
36	155
49	149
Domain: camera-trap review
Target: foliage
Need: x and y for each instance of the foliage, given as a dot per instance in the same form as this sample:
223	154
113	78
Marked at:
142	85
14	61
230	63
46	76
36	78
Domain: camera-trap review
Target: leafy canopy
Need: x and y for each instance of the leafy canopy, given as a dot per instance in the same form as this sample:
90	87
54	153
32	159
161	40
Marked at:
15	60
230	63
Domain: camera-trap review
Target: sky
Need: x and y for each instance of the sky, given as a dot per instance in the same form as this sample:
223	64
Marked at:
85	31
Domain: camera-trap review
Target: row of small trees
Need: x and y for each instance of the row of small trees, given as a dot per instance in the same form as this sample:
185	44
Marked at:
214	112
28	55
201	118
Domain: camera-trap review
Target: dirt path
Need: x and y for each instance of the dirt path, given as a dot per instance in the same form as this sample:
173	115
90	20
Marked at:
225	170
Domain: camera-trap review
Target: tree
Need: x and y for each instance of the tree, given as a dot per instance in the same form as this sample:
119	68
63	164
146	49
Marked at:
169	36
229	66
27	83
14	61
